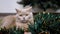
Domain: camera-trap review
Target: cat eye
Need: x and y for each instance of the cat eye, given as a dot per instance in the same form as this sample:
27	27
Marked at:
26	14
20	15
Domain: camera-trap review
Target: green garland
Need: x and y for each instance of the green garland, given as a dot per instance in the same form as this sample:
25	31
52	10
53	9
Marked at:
12	31
46	22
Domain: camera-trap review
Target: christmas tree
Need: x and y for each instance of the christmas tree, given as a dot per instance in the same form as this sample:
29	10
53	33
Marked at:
43	4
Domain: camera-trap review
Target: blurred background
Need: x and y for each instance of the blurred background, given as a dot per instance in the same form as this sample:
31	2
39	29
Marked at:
8	6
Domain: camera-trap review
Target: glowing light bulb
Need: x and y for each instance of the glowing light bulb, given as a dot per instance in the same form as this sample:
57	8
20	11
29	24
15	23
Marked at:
43	12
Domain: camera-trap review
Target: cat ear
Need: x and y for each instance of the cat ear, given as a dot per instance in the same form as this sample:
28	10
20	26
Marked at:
29	8
17	10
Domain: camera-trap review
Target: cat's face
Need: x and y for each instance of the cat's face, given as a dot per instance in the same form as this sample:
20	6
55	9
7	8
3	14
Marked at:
24	15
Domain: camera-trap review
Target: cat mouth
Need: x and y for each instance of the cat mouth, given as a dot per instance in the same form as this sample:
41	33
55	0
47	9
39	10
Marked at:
24	21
